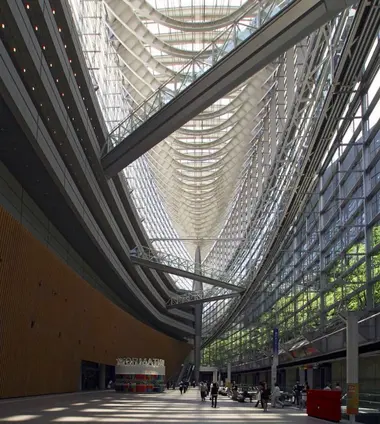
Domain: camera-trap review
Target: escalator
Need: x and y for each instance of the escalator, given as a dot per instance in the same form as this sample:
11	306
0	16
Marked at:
186	373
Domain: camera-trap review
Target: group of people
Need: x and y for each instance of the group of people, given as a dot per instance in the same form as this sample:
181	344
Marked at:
264	394
183	386
300	394
337	387
206	389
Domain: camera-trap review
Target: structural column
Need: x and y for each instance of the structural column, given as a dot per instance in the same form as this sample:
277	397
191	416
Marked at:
275	357
229	372
197	285
102	377
352	355
215	376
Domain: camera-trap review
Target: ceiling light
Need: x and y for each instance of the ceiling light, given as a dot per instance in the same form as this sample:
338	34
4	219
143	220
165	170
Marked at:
2	26
27	6
36	28
53	12
59	29
14	49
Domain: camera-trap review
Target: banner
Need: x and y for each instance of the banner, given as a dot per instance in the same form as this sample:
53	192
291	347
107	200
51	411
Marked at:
275	341
352	399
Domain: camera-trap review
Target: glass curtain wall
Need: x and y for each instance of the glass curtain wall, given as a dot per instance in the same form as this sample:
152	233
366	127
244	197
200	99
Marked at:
330	260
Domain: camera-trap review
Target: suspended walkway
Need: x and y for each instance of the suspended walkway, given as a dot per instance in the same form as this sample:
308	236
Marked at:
266	31
171	264
199	296
224	286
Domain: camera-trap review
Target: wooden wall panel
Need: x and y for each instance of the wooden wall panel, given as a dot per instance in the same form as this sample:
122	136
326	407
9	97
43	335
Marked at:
51	319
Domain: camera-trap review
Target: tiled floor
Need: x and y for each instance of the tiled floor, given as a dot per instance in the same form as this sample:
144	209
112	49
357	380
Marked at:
170	407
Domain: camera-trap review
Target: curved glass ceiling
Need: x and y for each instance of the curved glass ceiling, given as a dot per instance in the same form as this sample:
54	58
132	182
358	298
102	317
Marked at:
184	188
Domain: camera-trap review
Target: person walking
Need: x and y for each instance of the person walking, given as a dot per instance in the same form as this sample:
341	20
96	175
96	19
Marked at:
181	387
259	400
265	395
276	394
297	389
214	395
203	390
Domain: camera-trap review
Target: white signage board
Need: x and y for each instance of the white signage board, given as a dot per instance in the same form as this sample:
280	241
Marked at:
147	366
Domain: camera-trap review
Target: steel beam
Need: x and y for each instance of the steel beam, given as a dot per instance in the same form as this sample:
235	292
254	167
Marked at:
290	26
204	300
186	274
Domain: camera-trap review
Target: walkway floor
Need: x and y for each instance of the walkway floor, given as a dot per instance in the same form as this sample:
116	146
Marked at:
170	407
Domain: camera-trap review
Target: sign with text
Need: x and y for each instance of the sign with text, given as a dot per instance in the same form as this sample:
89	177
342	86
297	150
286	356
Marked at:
352	399
141	361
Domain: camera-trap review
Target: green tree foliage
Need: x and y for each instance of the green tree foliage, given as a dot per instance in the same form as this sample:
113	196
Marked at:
299	309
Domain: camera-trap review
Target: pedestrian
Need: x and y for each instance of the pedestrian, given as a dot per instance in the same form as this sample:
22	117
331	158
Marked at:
265	395
214	395
203	390
276	396
297	393
259	400
181	387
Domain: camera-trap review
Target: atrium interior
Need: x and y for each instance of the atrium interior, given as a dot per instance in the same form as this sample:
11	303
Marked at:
196	181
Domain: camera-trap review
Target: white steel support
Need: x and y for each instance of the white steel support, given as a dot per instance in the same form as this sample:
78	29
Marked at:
275	357
197	285
229	372
352	332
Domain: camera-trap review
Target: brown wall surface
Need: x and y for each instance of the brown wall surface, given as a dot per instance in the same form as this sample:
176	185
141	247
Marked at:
51	319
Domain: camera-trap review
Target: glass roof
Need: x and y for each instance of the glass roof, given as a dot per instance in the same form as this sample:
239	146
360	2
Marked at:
186	187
